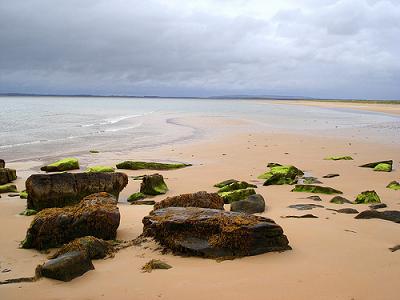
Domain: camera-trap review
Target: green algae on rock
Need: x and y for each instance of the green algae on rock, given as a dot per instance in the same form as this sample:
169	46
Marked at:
8	188
338	158
7	175
140	165
279	175
374	164
236	186
367	197
394	185
237	195
23	194
28	212
155	264
225	183
382	167
136	196
153	185
100	169
316	189
65	164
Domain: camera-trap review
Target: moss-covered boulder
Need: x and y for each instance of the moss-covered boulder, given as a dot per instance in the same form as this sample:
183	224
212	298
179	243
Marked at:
240	185
153	185
213	233
100	169
367	197
251	205
96	215
338	158
59	190
136	196
199	199
394	185
8	188
383	168
140	165
65	164
236	195
7	175
316	189
374	164
225	183
340	200
279	175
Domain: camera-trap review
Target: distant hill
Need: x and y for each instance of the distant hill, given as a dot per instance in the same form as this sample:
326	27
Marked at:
271	97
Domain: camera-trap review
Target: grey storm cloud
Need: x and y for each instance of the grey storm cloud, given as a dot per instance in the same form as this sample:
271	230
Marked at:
346	49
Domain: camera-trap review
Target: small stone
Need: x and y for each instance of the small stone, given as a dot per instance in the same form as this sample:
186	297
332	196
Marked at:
308	188
314	197
252	204
394	185
307	216
330	175
340	200
155	264
305	206
377	206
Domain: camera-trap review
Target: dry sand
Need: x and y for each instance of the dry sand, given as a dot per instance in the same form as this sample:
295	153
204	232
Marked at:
333	257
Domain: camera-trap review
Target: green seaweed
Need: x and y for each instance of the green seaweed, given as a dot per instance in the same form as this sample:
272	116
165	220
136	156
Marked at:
236	195
8	188
338	158
382	167
139	165
236	186
136	196
65	164
23	194
394	185
367	197
279	175
316	189
225	183
100	169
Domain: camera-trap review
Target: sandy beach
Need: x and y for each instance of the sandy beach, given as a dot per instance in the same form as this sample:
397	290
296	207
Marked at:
334	256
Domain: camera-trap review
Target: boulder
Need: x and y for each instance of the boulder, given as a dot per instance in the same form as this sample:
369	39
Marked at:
59	190
374	164
389	215
100	169
305	206
239	185
96	215
66	267
136	196
236	195
316	189
383	168
330	175
7	175
153	185
338	158
62	165
281	175
367	197
225	182
199	199
394	185
2	163
340	200
252	204
8	188
214	233
139	165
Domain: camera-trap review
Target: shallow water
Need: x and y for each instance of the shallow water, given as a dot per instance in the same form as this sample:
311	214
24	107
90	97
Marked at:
32	127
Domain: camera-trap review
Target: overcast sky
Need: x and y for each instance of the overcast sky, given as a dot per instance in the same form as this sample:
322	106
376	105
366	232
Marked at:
320	48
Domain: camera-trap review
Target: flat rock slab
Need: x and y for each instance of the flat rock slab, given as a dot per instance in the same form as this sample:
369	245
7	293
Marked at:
214	233
345	210
307	216
199	199
330	175
305	206
389	215
377	206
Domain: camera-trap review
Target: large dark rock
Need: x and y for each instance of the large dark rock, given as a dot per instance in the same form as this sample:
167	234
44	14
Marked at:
7	175
153	185
199	199
2	163
214	233
389	215
66	267
252	204
59	190
96	215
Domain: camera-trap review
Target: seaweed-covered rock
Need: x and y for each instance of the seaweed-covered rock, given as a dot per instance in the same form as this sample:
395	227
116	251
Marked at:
65	164
340	200
2	163
281	175
383	168
7	175
199	199
338	158
139	165
305	206
367	197
155	264
153	185
225	183
236	195
316	189
394	185
100	169
389	215
95	215
59	190
251	205
374	164
23	194
136	196
66	267
8	188
214	233
240	185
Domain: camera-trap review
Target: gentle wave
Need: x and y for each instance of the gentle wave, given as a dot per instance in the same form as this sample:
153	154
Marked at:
115	120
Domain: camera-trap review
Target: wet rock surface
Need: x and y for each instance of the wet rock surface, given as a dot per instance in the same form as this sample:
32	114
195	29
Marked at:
252	204
8	188
389	215
199	199
375	164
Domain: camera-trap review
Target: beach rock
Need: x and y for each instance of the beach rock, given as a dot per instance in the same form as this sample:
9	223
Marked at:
314	197
240	185
214	233
199	199
28	212
279	175
140	165
2	163
395	248
66	267
143	202
251	205
389	215
272	164
8	188
13	195
374	164
153	185
377	206
340	200
305	206
136	196
59	190
345	210
308	188
383	168
62	165
96	215
23	194
7	175
100	169
394	185
155	264
307	216
309	180
338	158
225	182
367	197
330	175
93	247
236	195
94	151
